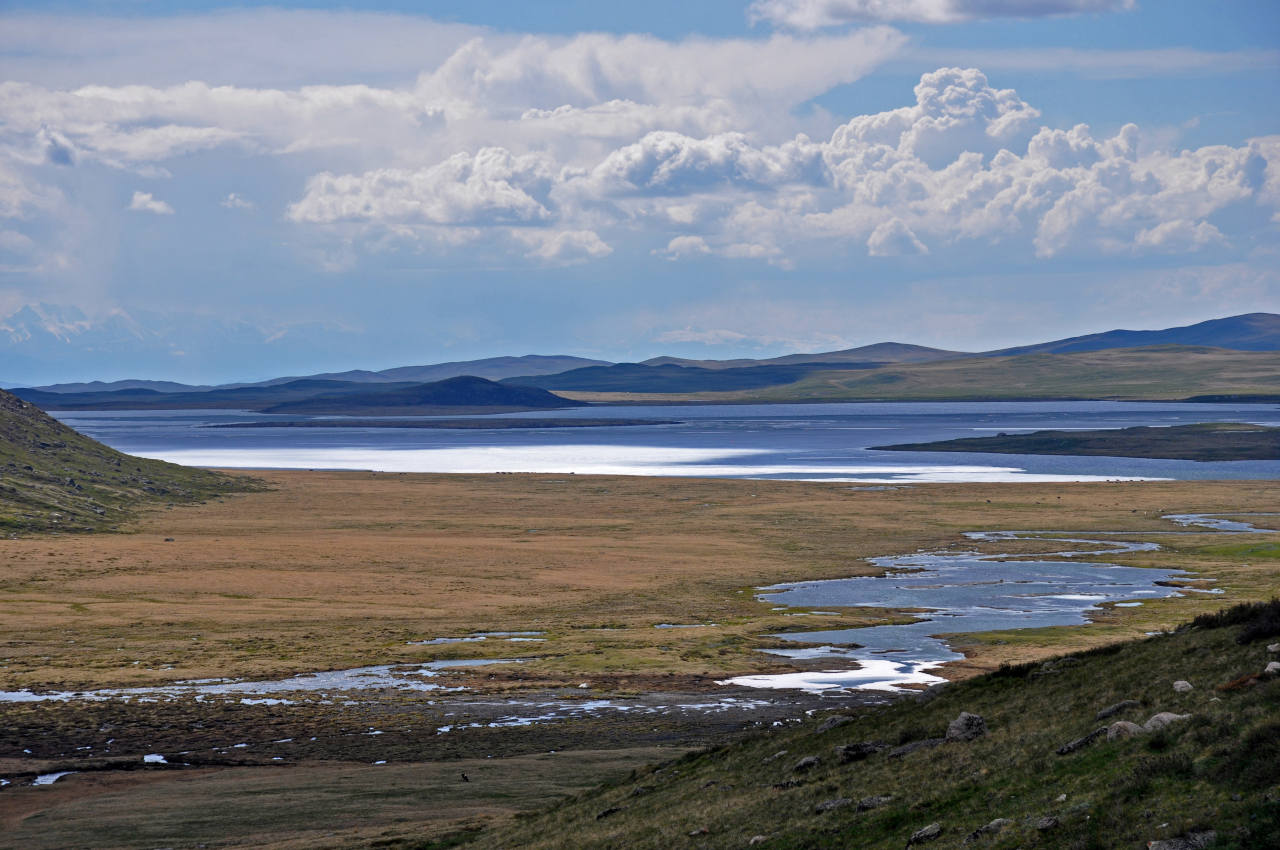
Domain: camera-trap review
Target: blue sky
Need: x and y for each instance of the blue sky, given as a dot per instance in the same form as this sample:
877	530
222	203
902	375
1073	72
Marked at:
207	192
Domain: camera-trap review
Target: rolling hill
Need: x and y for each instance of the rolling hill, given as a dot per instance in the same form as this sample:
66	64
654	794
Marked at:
880	352
672	378
1157	373
55	479
1247	332
464	394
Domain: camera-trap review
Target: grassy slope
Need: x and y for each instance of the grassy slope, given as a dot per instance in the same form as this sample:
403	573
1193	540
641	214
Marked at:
1213	441
1220	769
1160	372
55	479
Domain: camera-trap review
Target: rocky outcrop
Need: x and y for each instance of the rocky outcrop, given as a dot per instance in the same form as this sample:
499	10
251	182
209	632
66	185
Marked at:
832	722
829	805
1116	708
1163	719
928	833
1081	743
1190	841
993	828
1122	729
966	727
849	753
806	764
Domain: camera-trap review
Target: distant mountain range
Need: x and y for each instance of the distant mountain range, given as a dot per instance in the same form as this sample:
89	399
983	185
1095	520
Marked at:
1247	332
492	368
884	370
880	352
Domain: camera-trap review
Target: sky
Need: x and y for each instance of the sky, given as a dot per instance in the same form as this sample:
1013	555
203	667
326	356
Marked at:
207	192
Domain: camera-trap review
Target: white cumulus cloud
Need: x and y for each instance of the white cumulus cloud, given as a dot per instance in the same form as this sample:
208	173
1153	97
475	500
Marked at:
564	247
894	239
146	202
493	186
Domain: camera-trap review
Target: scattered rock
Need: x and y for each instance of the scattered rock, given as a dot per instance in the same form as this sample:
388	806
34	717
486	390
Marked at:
928	833
992	828
779	754
1081	743
612	810
702	830
641	790
905	749
1163	719
757	839
868	803
807	763
1272	669
1047	823
833	803
1190	841
1273	647
966	727
1112	710
790	783
857	752
1182	686
832	722
1123	729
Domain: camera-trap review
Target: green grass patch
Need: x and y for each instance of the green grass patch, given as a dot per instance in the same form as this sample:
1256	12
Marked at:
1217	769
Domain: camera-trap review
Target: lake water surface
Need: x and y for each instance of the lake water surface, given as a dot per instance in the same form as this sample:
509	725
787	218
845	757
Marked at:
819	442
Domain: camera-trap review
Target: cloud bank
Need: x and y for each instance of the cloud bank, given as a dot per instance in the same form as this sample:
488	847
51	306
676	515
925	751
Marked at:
488	151
816	14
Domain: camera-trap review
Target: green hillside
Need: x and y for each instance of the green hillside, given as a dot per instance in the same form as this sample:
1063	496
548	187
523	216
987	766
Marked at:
876	778
55	479
1161	372
1156	373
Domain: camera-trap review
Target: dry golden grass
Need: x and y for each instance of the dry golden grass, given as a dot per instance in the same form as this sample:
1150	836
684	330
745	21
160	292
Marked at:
338	569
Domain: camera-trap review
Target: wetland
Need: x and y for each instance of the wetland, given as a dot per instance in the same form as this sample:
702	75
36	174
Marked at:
369	621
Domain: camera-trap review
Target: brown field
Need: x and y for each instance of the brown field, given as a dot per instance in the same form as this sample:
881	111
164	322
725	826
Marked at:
341	569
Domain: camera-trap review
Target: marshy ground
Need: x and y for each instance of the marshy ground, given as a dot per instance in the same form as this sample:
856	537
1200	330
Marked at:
333	570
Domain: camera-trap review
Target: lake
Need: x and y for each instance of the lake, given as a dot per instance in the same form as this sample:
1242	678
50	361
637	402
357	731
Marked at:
817	442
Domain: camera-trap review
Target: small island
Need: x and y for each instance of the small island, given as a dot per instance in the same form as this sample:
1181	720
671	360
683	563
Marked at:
1213	441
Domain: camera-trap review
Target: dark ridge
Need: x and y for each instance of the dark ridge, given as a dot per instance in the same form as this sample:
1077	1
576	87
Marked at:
464	394
1217	441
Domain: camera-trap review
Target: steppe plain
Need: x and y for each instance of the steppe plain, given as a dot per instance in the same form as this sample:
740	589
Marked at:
332	570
